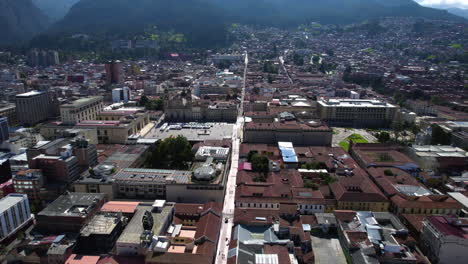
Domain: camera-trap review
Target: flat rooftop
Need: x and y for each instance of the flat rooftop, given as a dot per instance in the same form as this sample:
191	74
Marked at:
82	101
30	94
118	206
10	200
355	103
217	131
153	175
133	230
100	225
73	204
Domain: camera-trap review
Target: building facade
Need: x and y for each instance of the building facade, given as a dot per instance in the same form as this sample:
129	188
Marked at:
114	72
121	95
81	110
14	214
299	134
445	239
356	112
32	107
4	129
9	111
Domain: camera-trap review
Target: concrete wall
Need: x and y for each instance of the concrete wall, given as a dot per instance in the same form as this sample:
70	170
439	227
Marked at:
182	193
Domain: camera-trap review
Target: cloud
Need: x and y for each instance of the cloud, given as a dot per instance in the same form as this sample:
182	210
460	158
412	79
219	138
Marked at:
445	3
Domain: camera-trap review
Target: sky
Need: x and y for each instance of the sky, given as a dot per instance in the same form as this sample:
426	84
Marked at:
445	3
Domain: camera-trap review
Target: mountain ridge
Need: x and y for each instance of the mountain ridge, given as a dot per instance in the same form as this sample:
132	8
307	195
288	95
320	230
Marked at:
204	22
20	20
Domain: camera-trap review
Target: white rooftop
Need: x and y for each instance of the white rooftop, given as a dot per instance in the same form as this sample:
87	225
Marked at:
31	93
10	200
439	151
460	198
355	103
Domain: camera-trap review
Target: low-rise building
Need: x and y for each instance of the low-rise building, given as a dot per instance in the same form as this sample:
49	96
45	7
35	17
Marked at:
356	112
310	134
192	236
439	159
29	182
445	239
100	234
70	212
371	237
149	221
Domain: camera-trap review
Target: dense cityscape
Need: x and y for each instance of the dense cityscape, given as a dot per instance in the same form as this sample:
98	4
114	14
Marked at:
321	143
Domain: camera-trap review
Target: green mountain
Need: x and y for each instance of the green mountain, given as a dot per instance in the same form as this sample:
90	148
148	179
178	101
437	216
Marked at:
55	9
203	22
20	20
458	12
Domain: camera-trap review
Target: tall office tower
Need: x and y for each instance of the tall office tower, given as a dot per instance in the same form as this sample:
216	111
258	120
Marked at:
32	107
52	57
4	133
14	214
43	58
114	73
33	58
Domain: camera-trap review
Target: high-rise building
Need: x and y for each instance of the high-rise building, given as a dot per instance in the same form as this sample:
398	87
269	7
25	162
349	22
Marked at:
80	110
4	133
14	214
114	72
9	111
32	107
43	58
121	95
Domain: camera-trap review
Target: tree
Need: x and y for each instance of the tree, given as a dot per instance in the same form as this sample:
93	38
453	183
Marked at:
259	163
156	105
311	185
397	129
383	137
388	172
143	101
171	153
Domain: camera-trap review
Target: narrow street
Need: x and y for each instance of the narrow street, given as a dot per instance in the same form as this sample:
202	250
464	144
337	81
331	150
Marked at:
230	193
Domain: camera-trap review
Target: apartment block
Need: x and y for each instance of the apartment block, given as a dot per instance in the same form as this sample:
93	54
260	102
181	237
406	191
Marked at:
14	214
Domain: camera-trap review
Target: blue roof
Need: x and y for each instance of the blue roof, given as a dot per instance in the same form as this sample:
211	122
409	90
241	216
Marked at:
289	155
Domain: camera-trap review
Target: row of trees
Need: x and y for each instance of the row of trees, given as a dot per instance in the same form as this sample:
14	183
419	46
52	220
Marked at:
156	105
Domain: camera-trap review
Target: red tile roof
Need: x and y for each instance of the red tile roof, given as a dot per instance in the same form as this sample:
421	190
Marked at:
81	259
445	226
116	206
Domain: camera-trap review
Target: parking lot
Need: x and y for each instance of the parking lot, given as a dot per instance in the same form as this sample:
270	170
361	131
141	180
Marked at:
327	250
192	131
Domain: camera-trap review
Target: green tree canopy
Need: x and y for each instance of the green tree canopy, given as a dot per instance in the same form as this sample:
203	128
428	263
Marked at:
171	153
259	163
